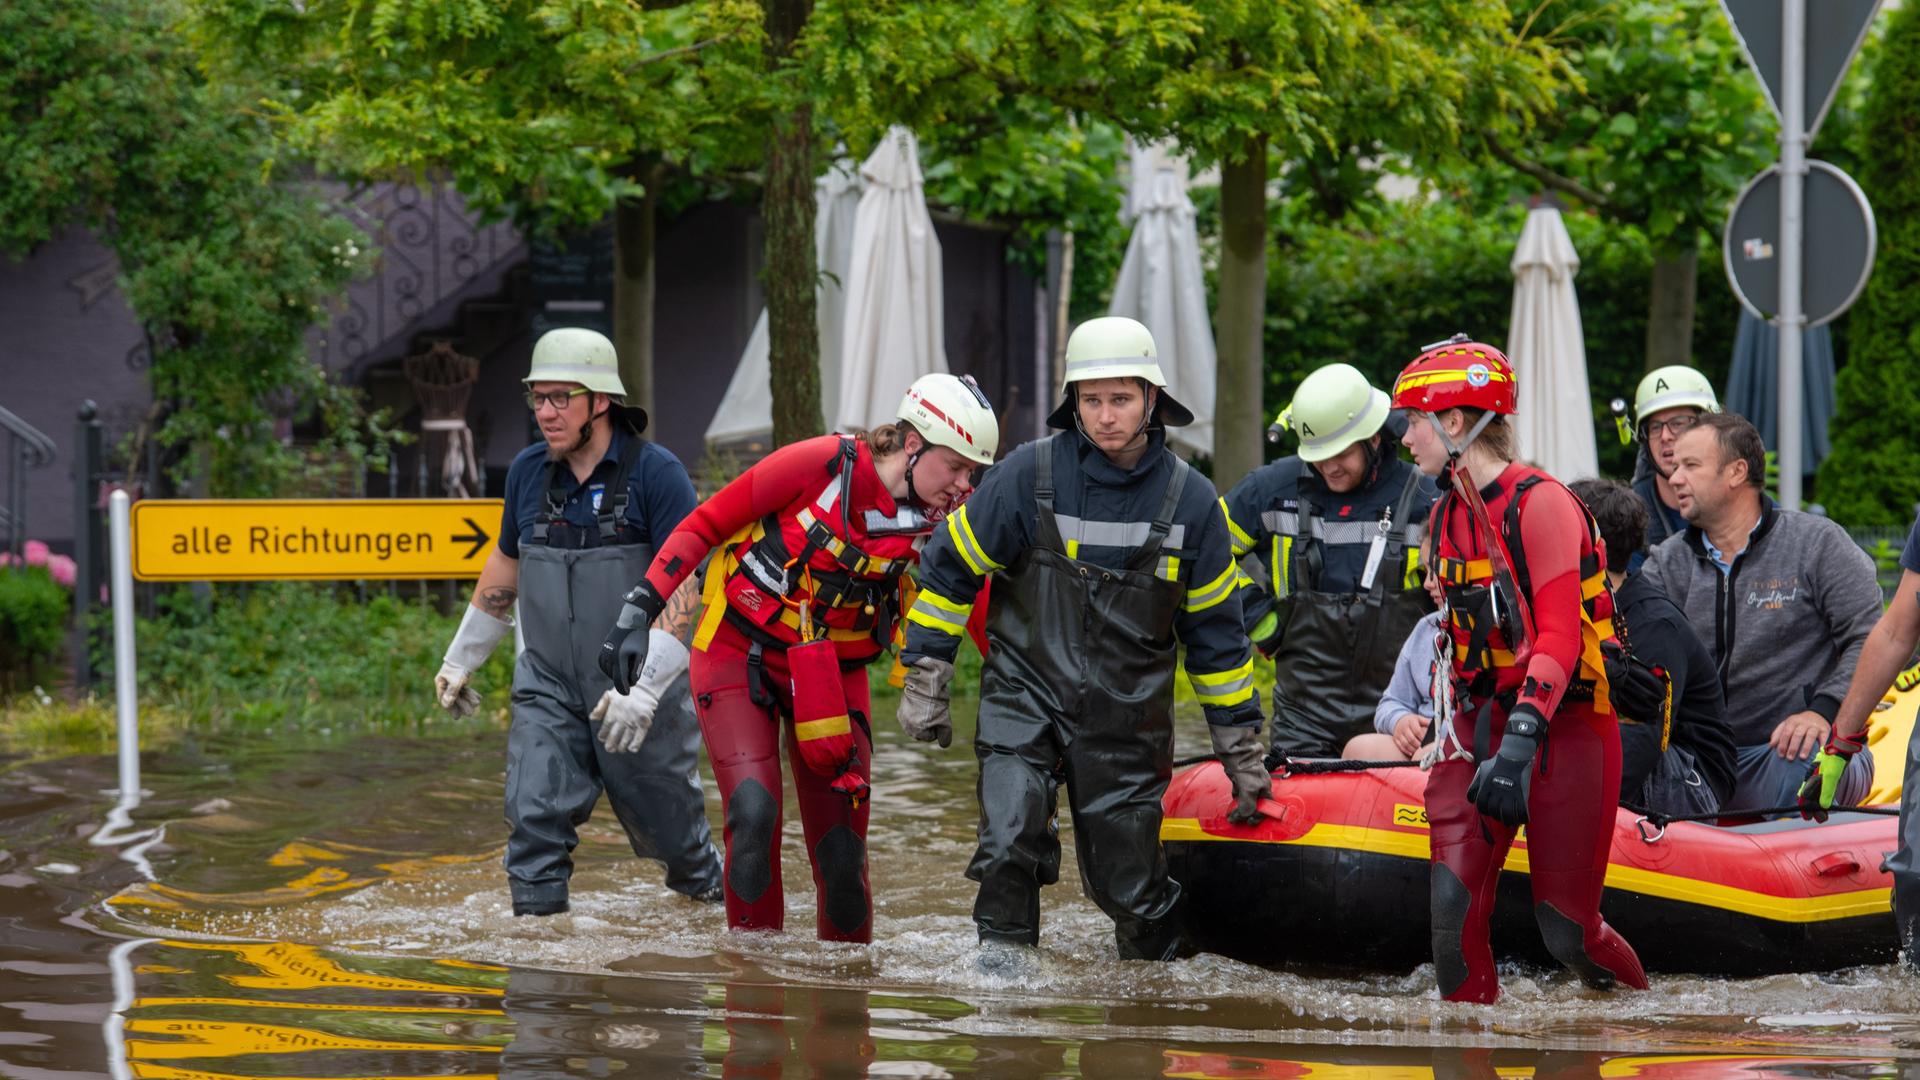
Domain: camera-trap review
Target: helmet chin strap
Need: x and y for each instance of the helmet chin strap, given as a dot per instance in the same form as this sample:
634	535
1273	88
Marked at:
1454	451
1139	433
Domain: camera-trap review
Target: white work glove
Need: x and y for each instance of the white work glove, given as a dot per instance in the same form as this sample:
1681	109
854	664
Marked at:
626	718
476	639
925	709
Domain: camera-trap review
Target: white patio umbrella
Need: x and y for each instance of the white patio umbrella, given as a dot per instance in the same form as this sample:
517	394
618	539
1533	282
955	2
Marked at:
746	410
895	322
1554	416
1162	285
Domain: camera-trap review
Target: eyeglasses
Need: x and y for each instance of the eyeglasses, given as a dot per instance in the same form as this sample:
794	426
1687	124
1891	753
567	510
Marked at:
559	399
1677	425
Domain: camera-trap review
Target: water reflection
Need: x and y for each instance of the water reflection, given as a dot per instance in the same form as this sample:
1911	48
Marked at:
337	909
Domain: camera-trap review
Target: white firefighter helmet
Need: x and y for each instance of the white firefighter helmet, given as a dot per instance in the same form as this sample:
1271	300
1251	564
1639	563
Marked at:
1115	347
1333	408
951	411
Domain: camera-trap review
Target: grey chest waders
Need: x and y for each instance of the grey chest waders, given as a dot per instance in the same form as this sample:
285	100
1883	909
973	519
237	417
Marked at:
1337	650
571	584
1078	688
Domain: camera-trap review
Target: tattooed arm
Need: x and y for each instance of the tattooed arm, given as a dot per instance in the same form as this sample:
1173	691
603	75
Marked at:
683	609
499	585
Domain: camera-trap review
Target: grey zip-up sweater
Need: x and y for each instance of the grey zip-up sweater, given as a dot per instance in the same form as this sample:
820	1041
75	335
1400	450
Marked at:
1785	625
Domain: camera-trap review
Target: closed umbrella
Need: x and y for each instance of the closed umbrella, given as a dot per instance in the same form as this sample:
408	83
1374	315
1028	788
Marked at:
1554	417
1753	386
895	324
746	410
1162	285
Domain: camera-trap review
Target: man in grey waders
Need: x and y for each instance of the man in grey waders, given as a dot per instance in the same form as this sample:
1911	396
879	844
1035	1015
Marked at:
1337	532
584	508
1107	552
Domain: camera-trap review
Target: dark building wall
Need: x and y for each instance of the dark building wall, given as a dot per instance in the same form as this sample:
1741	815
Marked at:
68	337
443	276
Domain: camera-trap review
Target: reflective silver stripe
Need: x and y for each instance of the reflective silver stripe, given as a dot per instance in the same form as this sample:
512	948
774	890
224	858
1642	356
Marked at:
1166	568
1089	364
1116	534
929	615
1223	690
1287	523
829	496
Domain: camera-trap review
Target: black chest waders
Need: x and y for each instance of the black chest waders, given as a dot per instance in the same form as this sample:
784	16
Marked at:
1078	688
1337	650
571	584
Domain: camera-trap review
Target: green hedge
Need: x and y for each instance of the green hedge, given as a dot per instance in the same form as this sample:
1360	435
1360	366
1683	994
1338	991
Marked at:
1371	291
290	652
33	619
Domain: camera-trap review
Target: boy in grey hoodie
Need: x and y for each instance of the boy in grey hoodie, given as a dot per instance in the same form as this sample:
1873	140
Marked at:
1784	600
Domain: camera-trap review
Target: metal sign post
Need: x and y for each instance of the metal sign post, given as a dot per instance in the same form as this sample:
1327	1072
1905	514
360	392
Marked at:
1794	59
1793	174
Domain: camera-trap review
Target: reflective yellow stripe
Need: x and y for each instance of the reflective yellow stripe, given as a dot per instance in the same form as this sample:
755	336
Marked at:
1212	592
1411	578
1224	687
1073	549
1413	845
1242	543
1434	378
969	548
934	619
1282	564
1170	569
824	728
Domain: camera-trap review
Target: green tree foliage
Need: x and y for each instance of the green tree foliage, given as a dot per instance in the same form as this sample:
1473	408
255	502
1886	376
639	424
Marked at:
1371	289
1661	124
109	124
1873	475
1229	79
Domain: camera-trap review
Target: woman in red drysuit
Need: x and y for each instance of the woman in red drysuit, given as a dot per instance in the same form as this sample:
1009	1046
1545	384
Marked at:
1527	611
802	595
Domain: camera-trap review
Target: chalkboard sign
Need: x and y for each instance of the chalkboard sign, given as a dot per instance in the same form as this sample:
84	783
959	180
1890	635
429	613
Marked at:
573	270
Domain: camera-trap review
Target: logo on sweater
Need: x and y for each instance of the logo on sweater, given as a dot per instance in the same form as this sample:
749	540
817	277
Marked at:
1773	595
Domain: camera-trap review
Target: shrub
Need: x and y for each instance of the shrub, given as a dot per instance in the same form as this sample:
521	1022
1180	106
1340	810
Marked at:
33	618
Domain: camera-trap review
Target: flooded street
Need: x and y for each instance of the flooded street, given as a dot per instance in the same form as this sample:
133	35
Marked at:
326	905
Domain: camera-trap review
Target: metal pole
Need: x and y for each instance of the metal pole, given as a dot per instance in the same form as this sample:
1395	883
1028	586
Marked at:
86	583
119	511
1793	171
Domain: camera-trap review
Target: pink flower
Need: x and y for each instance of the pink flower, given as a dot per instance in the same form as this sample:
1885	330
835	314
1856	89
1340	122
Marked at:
63	569
37	553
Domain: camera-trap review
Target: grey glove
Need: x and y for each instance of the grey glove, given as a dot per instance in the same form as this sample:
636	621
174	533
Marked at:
1238	749
924	711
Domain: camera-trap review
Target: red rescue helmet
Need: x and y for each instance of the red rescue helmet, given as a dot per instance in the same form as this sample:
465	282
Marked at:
1458	373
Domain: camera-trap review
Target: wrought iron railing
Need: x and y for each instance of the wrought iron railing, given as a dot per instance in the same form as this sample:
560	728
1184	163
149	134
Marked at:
27	448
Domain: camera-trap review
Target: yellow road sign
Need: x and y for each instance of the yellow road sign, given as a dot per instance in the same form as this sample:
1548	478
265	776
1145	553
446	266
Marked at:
280	539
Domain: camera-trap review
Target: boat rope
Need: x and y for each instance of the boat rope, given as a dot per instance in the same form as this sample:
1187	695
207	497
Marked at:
1660	821
1288	766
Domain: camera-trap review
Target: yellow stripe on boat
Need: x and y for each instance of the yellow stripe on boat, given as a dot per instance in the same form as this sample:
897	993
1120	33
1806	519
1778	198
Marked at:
1803	909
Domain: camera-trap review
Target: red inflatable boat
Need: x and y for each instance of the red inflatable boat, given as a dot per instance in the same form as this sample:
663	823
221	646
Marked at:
1340	877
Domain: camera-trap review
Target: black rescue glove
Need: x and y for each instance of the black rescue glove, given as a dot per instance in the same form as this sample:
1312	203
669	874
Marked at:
1238	749
1502	782
624	653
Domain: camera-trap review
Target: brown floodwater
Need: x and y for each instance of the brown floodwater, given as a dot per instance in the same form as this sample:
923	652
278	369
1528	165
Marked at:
327	904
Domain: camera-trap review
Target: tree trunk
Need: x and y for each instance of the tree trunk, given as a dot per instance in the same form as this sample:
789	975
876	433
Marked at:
1243	306
634	229
792	268
1670	306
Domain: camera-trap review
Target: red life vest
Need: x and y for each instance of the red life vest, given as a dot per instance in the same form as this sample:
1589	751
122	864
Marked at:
1485	660
828	564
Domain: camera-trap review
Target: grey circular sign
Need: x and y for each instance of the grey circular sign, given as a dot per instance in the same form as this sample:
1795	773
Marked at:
1836	248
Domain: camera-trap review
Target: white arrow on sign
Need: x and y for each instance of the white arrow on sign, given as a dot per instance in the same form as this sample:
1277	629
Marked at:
1835	29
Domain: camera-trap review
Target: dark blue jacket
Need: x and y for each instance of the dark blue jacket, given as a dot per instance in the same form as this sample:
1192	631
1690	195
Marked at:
659	493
